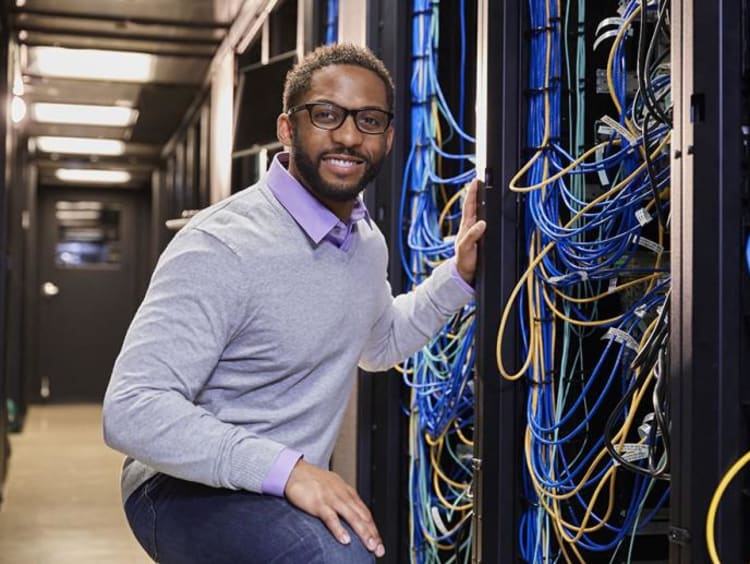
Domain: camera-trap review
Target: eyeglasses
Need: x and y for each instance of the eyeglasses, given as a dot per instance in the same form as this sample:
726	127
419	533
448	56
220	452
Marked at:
325	115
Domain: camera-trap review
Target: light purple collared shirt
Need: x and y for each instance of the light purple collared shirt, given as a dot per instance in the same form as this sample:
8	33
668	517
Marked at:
320	224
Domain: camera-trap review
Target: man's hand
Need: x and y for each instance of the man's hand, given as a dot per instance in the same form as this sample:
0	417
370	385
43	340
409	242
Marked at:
469	232
326	496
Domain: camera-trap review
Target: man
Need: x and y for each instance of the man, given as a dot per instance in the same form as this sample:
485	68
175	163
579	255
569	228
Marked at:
233	378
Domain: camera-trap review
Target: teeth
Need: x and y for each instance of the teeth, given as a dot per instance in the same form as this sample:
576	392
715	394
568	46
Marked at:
341	162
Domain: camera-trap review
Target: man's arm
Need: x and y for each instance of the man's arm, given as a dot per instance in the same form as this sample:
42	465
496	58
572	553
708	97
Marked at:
193	308
410	320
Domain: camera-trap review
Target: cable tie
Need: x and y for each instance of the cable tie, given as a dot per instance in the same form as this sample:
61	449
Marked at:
542	29
541	89
537	383
424	11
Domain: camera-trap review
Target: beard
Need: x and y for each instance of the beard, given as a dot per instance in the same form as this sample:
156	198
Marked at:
338	192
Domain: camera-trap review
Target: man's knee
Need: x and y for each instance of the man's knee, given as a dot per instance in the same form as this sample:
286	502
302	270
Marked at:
319	546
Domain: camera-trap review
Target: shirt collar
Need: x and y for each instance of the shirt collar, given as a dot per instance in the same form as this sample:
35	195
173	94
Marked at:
312	216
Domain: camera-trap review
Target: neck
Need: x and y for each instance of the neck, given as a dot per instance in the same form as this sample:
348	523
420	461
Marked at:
342	210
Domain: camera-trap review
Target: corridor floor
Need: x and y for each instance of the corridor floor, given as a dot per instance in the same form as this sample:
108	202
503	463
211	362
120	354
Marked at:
62	499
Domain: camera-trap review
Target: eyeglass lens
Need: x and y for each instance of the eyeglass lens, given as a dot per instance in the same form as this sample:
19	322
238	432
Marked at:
330	116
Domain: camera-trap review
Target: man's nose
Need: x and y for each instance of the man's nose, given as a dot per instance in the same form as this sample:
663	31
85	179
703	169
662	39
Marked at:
347	133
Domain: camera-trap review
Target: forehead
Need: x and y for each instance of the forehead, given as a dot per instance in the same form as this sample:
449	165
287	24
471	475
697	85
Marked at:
348	85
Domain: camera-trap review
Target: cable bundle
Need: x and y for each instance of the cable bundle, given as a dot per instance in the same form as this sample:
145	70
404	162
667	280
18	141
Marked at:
439	376
332	21
593	299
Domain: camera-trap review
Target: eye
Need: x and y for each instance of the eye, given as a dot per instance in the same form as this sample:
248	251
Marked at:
326	114
372	120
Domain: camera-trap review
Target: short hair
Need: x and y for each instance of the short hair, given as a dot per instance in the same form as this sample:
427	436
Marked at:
298	79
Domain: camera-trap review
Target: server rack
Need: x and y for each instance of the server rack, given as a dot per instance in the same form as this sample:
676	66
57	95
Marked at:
710	311
710	338
498	425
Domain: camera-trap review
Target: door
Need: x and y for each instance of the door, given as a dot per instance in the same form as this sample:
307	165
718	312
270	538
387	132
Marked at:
87	274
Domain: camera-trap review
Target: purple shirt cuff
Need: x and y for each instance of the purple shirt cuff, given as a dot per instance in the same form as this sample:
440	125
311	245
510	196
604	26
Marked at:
465	286
277	476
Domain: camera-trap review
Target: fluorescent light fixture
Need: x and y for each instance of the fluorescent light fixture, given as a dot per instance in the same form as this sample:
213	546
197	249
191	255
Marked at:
115	116
18	88
17	109
93	64
80	145
99	176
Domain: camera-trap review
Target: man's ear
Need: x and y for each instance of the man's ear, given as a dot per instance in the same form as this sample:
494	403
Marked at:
284	130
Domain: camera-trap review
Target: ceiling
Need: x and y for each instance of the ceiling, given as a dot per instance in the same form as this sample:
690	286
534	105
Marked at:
181	35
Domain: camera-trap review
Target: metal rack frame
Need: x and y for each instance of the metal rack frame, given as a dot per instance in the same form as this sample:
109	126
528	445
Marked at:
708	334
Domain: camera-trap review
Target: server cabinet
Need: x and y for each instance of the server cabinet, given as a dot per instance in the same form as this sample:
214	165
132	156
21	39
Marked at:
710	339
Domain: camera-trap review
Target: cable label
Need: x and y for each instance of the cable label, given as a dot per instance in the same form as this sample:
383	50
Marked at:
619	128
648	244
643	216
602	172
631	452
619	336
582	276
612	285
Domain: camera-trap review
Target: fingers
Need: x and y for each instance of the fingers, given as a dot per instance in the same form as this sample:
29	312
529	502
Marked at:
331	520
469	211
359	518
325	495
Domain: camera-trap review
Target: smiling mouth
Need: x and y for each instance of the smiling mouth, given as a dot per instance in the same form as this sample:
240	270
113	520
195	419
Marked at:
343	162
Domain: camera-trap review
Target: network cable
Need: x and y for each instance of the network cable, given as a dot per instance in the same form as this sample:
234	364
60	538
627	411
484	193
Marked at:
440	376
332	21
593	299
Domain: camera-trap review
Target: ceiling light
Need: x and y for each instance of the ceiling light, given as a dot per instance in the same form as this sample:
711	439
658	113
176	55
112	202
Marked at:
115	116
17	109
99	176
93	64
80	145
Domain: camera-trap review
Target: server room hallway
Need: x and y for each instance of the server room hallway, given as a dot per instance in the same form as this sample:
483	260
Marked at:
62	499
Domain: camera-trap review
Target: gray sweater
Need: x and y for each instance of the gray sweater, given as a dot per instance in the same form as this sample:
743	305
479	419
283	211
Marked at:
248	340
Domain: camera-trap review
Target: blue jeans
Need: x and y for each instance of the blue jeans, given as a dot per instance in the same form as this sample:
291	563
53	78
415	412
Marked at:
182	522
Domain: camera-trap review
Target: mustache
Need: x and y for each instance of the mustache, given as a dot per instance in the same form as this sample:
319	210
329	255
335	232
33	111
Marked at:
343	151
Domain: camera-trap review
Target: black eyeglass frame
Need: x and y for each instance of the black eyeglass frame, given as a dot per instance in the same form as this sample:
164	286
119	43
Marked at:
347	112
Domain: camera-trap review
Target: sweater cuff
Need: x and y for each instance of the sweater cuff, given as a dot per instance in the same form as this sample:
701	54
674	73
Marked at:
463	284
276	479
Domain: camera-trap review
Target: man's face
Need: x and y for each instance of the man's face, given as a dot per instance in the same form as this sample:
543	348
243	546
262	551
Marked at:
336	165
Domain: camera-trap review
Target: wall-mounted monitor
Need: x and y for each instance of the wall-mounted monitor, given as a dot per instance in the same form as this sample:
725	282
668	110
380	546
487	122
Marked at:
258	102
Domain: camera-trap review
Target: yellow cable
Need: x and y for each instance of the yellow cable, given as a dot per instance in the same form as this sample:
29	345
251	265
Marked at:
714	505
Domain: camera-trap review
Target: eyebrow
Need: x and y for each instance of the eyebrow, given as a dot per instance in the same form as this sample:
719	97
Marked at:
326	101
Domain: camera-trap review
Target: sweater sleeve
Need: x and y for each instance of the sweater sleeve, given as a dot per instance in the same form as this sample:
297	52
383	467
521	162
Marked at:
410	320
194	305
